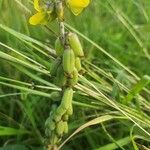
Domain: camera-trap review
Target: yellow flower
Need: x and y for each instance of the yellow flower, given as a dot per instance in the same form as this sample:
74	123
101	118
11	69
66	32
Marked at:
43	15
77	6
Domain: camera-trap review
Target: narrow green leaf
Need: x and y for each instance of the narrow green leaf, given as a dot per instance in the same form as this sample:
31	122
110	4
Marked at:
7	131
137	88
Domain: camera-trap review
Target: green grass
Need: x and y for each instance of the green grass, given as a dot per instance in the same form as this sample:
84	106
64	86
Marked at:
112	99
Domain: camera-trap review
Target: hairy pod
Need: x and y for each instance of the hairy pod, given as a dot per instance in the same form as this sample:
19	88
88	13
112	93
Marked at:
48	132
67	98
68	61
60	128
61	79
54	139
65	117
50	124
78	64
55	96
60	111
75	44
55	66
74	80
69	111
65	127
56	117
59	47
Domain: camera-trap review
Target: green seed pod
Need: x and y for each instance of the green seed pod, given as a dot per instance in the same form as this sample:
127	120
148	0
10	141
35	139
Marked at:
60	128
60	111
48	132
59	47
55	96
75	44
65	127
59	10
54	139
65	117
69	111
61	79
50	124
55	66
78	64
56	117
74	80
67	98
68	61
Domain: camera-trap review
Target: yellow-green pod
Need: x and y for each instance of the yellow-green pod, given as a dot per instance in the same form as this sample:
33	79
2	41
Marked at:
65	127
60	128
69	110
56	117
78	64
68	61
50	124
48	132
54	139
61	79
55	96
67	98
65	117
60	111
59	10
59	47
75	44
55	66
74	80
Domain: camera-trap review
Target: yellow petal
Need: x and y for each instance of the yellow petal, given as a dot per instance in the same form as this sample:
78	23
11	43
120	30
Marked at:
37	5
77	3
38	18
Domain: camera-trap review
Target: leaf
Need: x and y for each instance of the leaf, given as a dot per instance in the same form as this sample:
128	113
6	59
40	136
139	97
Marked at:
24	63
113	146
137	88
7	131
90	123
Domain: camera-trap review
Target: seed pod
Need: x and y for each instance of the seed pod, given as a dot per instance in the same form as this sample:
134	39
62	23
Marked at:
67	98
59	10
74	80
69	111
68	61
59	47
55	96
75	44
50	124
48	132
60	128
55	66
54	139
78	64
61	79
65	117
56	117
65	127
60	111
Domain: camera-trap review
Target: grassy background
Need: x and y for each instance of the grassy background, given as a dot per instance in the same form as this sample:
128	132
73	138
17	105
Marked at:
114	93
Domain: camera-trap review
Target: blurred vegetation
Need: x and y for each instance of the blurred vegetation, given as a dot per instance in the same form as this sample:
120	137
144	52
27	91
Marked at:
112	101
